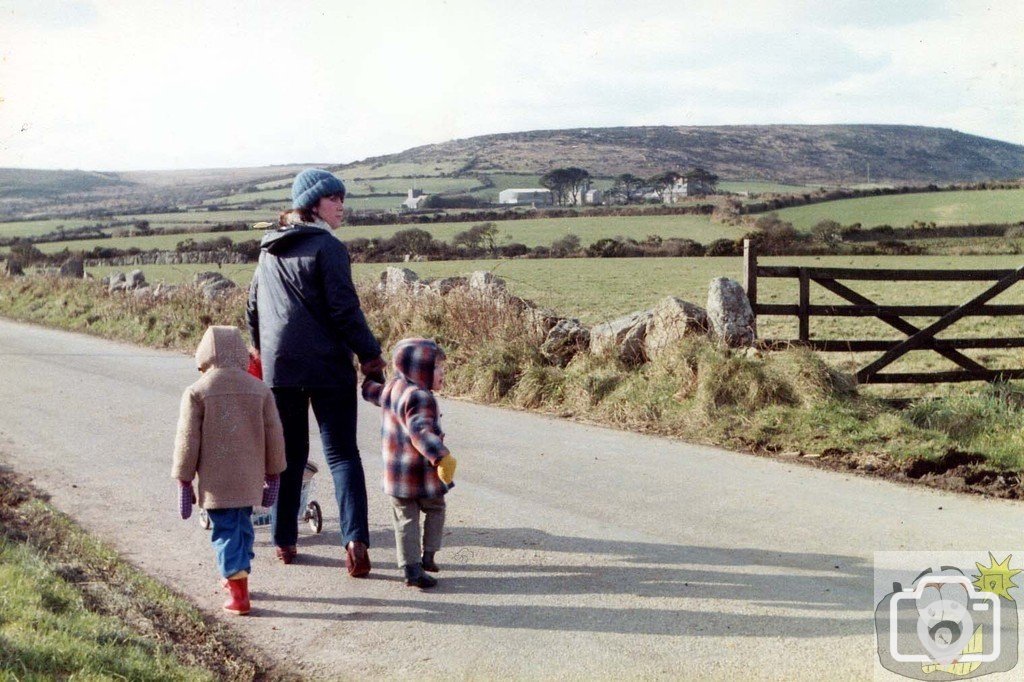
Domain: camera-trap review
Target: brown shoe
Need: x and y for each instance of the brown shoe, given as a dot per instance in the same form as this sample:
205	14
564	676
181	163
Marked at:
287	554
357	559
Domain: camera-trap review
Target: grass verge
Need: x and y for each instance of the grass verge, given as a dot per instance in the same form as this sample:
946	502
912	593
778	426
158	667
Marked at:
788	404
72	609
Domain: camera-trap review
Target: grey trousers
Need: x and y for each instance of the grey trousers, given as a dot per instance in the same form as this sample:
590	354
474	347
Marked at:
406	511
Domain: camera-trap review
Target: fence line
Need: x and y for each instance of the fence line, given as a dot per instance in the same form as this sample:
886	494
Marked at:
858	305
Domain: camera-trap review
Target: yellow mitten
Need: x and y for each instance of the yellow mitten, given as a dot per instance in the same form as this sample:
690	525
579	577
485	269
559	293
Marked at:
446	469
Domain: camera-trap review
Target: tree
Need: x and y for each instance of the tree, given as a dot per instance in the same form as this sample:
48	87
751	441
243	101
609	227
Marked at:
482	236
702	181
557	181
26	253
827	232
567	184
661	182
565	246
488	235
627	186
413	241
579	183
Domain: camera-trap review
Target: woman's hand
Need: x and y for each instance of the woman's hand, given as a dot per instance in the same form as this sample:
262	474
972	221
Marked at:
374	369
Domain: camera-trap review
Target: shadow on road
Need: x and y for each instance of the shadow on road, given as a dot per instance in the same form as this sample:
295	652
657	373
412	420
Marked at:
623	587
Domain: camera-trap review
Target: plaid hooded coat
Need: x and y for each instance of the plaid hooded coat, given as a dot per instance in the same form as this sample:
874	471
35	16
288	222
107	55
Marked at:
411	436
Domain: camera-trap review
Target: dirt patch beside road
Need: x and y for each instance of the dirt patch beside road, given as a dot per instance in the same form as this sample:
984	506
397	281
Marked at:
956	471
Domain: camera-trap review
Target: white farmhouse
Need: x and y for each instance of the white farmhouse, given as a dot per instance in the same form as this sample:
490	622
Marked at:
696	183
526	197
415	200
590	197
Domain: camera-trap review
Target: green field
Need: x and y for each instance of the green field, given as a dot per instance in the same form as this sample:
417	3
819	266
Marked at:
158	221
358	185
279	195
357	188
762	187
595	290
163	242
942	208
31	228
398	170
275	184
530	232
403	185
203	217
598	288
26	228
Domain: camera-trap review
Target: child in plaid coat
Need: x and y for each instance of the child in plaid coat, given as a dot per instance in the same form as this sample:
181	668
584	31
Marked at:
418	469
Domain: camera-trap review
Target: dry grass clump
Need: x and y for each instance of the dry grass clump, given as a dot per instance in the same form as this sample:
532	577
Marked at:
589	379
177	322
731	380
539	386
489	343
813	381
713	377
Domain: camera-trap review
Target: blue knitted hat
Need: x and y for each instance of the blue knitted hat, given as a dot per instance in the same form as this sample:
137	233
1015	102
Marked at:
313	184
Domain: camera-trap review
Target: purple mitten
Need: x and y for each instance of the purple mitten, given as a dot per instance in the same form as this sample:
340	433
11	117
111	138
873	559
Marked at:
271	486
185	499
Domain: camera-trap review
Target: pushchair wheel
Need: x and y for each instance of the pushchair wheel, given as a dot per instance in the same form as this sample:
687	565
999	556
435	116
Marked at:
315	517
204	520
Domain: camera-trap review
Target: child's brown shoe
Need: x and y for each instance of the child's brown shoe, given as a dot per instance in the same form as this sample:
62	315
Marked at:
287	554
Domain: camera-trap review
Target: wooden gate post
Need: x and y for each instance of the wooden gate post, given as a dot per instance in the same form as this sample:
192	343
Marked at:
804	324
750	274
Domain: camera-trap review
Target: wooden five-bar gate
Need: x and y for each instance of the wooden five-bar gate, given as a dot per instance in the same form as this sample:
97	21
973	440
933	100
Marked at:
917	338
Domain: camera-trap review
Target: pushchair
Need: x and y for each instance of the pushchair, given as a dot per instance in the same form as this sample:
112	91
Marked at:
309	510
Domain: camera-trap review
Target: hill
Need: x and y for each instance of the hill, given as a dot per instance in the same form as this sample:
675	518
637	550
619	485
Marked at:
26	192
795	154
800	154
30	183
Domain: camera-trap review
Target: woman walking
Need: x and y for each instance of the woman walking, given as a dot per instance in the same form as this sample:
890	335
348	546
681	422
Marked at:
305	322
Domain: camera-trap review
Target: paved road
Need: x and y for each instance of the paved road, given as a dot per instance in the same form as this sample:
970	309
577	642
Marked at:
571	550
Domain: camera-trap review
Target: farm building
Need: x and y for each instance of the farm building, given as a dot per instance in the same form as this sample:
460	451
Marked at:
526	197
685	188
415	200
590	197
696	183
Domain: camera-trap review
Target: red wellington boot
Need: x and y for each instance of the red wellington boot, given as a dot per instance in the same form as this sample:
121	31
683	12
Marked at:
238	604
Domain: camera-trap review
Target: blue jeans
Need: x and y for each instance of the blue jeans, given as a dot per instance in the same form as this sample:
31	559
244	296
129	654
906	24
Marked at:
232	539
335	412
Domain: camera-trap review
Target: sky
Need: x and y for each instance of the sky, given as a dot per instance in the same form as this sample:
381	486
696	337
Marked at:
162	84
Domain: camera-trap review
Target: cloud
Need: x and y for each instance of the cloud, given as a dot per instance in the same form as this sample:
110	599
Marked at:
50	14
151	84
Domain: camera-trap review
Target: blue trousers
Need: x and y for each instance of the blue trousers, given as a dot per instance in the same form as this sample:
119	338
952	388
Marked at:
232	539
335	412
